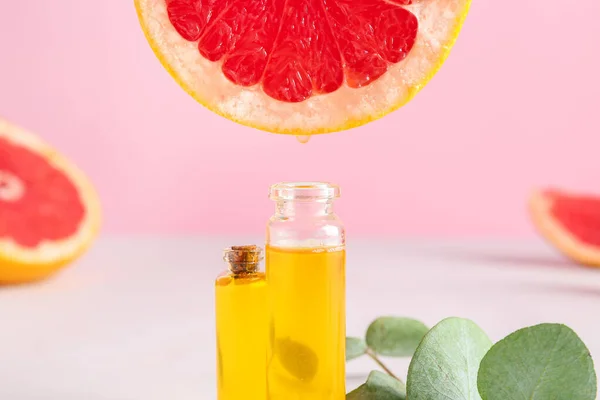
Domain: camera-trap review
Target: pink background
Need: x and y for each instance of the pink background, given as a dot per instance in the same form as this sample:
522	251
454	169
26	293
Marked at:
516	106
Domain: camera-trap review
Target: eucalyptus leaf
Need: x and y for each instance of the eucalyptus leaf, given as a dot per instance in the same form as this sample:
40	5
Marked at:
355	347
298	359
446	362
395	336
542	362
379	386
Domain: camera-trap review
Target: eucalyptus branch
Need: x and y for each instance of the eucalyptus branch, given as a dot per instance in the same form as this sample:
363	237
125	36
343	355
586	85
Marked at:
374	357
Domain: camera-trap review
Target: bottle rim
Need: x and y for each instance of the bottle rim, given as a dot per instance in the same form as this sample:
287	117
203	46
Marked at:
304	191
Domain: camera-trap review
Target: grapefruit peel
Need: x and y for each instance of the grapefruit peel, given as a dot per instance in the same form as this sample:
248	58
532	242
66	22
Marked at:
343	109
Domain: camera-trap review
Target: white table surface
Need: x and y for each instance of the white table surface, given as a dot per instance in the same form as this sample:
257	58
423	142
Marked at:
133	319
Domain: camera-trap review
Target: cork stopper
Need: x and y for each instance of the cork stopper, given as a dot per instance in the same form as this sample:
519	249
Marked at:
243	259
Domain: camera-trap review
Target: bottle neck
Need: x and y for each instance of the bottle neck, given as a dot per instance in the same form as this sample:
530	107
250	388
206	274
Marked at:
242	269
305	209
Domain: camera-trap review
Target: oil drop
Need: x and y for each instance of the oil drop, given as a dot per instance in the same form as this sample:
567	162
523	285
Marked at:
303	138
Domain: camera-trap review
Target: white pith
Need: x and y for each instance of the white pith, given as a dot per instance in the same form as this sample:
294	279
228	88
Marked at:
438	23
12	187
49	251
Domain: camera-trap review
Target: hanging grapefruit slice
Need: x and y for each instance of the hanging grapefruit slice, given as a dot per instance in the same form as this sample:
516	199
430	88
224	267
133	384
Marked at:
302	66
571	222
49	211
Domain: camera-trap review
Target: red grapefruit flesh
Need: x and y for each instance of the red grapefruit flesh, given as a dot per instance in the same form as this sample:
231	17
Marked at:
49	211
302	66
298	48
569	221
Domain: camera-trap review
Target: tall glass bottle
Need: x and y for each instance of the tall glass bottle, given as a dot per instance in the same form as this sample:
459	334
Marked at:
242	326
305	266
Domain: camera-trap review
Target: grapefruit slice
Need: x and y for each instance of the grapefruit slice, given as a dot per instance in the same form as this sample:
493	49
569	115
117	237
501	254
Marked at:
302	66
571	222
49	211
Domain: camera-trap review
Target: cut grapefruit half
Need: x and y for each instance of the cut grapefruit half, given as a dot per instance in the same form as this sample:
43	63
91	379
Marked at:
302	67
570	222
49	211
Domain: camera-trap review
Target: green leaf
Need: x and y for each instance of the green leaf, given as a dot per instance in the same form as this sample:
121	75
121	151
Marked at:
355	347
542	362
446	362
298	359
395	336
379	386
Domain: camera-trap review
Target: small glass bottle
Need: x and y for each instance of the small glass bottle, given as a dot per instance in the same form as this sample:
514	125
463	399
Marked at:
242	326
305	266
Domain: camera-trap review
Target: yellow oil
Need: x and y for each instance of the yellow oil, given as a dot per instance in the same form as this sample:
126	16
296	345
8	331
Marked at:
307	301
242	333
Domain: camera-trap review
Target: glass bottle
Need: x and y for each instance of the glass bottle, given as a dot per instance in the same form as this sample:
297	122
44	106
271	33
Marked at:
242	326
305	266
